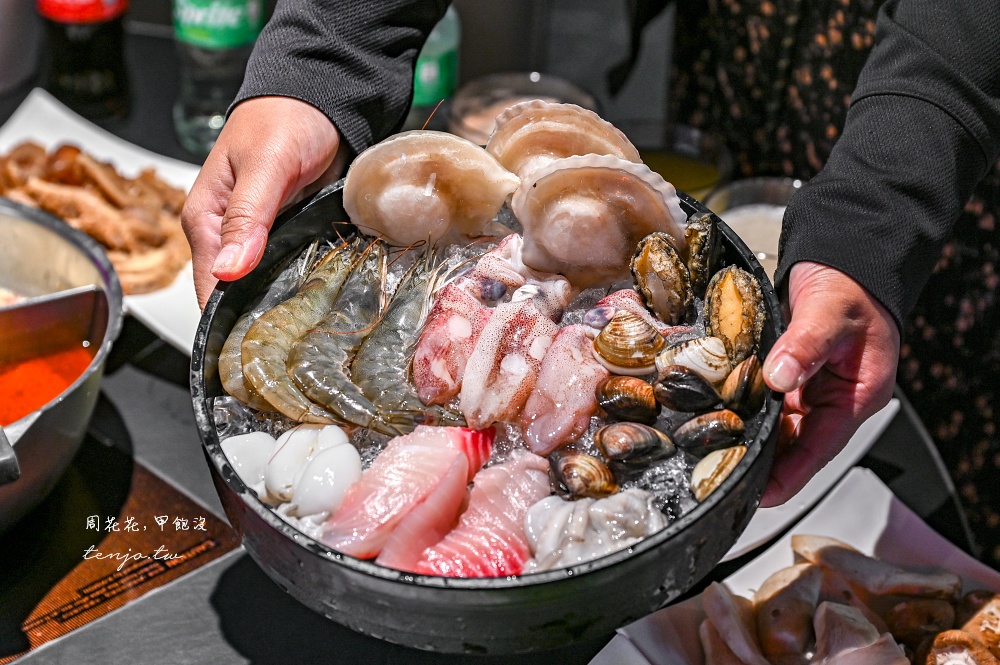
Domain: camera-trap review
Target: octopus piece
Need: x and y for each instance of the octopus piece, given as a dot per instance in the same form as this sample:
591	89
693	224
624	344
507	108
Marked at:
564	533
504	364
453	327
583	216
533	133
425	186
559	408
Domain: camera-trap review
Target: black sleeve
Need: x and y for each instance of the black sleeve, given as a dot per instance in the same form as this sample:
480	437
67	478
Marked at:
922	130
352	60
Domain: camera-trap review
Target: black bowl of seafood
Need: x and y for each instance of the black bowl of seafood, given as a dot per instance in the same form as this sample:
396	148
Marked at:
491	400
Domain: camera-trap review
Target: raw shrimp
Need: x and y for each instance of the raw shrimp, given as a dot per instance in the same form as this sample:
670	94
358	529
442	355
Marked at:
266	345
319	360
231	359
381	367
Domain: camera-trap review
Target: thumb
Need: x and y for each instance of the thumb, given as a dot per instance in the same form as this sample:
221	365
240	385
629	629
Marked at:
813	333
251	209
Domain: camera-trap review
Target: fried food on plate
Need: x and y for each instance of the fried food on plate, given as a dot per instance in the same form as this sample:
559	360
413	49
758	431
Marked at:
136	220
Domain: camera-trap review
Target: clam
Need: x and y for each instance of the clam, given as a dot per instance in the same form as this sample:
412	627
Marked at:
582	475
628	398
709	431
705	355
734	311
713	469
426	186
633	443
533	133
662	278
702	249
583	216
744	389
681	388
628	345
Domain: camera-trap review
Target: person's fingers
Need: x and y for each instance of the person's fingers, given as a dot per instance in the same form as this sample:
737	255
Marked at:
813	333
201	219
808	442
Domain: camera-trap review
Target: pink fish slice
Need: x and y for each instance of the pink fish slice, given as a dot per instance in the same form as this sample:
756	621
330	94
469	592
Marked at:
559	408
411	469
489	540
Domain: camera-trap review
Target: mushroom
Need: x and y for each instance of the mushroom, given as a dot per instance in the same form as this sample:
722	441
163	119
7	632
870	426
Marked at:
878	577
783	607
732	616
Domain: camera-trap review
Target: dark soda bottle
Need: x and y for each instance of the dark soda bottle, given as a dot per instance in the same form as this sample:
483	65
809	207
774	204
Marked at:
214	41
86	56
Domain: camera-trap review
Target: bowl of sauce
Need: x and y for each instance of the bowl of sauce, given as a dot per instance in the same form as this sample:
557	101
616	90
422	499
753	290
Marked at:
61	312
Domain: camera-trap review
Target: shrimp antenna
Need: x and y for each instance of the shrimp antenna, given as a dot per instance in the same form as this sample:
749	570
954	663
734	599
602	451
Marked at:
427	122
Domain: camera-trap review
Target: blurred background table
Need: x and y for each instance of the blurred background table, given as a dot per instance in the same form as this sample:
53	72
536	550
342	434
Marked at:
228	611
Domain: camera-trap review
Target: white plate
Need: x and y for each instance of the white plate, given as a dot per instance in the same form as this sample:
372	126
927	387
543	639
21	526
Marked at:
172	312
766	523
860	511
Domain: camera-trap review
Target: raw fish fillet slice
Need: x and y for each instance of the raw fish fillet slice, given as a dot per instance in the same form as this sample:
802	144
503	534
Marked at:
453	327
489	540
427	523
504	364
558	410
409	470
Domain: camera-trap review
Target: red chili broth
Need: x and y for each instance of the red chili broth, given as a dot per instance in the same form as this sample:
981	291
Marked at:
28	385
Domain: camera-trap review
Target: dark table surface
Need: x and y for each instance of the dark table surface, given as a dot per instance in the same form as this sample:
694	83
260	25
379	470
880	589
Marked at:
229	611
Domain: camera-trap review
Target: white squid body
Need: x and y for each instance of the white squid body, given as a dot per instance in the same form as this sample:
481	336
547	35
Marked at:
533	133
425	186
845	637
505	362
564	533
558	410
312	467
584	215
248	453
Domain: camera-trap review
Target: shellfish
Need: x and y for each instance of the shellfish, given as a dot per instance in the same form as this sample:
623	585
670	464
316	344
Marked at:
533	133
734	311
744	389
633	443
682	389
628	398
582	475
713	469
702	250
628	345
425	186
583	216
705	355
662	278
709	432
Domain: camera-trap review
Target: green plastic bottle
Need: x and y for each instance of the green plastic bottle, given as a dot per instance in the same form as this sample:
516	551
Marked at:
436	71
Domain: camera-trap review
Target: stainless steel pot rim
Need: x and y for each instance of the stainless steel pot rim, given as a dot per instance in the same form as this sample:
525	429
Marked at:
218	459
112	288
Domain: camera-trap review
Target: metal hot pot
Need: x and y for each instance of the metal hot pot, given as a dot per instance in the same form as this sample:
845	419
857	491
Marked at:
496	615
74	296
